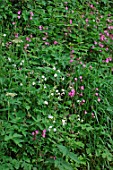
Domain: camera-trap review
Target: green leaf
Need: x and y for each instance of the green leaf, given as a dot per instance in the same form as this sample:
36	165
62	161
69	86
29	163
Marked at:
73	157
63	149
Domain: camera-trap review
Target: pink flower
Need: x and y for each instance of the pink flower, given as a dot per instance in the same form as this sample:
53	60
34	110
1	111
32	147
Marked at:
98	99
75	79
102	37
31	13
70	21
16	35
13	23
18	16
66	8
44	133
80	77
33	133
71	61
55	42
85	112
72	93
82	87
30	18
19	12
101	45
36	132
96	94
40	27
93	115
28	39
87	20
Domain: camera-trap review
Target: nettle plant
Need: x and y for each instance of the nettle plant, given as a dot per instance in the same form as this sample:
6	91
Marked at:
56	82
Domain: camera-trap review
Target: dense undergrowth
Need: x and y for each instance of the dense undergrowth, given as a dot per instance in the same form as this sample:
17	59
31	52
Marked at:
56	85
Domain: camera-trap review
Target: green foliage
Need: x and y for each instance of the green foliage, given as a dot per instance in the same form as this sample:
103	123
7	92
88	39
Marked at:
56	85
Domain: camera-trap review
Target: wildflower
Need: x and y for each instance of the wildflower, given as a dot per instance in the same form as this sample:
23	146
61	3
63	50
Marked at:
80	77
31	13
82	87
45	102
4	35
87	20
18	16
40	27
70	21
19	12
71	61
63	122
44	133
85	112
72	93
96	94
50	116
93	116
55	75
55	42
66	8
98	99
33	83
75	79
54	129
28	39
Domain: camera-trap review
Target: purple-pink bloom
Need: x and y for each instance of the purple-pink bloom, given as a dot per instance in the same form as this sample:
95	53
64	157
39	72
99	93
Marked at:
70	21
44	133
19	12
72	93
18	16
31	13
55	42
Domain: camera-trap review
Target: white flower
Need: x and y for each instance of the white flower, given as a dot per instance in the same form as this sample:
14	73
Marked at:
21	84
54	68
44	87
63	122
56	91
52	94
78	101
9	59
55	75
50	116
33	83
4	35
54	129
43	77
53	121
58	71
45	102
50	127
63	90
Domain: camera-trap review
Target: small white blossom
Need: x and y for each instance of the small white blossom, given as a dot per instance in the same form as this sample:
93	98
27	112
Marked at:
54	68
52	94
56	91
55	75
53	121
63	78
43	77
50	116
44	87
45	102
54	129
63	122
33	83
58	71
63	90
9	59
4	35
21	84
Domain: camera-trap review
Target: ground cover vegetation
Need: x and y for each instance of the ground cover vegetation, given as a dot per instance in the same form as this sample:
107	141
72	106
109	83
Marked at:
56	85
